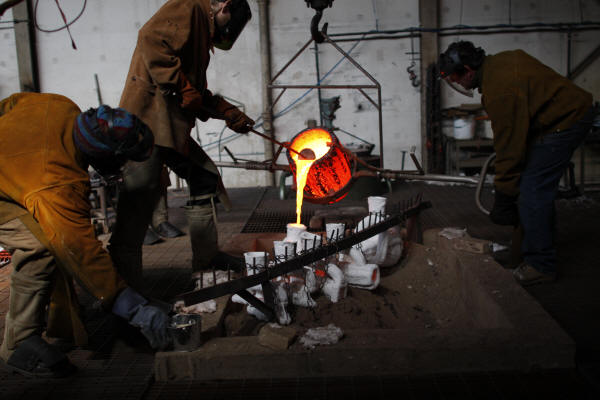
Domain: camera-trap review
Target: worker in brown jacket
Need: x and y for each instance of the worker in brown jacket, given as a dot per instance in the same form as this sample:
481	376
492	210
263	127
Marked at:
167	89
538	118
46	145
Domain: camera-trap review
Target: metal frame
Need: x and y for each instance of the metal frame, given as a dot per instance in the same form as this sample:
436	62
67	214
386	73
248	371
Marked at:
240	285
360	88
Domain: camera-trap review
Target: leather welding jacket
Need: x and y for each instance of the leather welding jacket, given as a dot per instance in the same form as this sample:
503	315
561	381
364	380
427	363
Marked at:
43	174
176	40
525	100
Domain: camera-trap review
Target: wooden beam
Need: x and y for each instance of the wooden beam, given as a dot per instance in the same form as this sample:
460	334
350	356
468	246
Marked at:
429	18
26	50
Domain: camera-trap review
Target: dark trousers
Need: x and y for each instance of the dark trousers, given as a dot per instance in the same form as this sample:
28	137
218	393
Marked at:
547	160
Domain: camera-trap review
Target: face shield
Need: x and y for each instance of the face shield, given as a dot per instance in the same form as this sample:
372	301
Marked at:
459	88
451	70
225	37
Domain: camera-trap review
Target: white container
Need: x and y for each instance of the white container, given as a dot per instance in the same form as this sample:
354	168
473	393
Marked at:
293	232
486	131
308	241
376	204
284	250
256	261
464	128
335	231
365	276
335	287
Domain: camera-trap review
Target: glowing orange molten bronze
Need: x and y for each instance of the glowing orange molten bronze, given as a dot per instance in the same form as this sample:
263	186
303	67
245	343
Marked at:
327	178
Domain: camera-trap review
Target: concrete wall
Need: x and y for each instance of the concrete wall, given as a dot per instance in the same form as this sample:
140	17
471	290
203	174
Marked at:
106	35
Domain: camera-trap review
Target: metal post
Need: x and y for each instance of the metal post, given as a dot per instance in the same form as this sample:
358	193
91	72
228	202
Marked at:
265	53
26	50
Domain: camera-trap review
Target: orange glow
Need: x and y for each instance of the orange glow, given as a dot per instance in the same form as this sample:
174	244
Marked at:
318	141
325	179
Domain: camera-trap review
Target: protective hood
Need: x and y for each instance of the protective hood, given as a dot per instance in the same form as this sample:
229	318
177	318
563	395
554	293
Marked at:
225	37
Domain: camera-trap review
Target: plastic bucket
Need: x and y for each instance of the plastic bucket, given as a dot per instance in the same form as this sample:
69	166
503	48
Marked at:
464	128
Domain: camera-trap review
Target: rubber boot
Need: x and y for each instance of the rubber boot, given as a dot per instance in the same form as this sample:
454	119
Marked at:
203	235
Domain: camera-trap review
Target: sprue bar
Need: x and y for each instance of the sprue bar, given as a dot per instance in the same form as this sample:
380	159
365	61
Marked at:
239	286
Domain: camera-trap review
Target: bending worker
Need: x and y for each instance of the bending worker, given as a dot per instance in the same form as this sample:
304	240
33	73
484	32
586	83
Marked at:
538	118
167	89
45	222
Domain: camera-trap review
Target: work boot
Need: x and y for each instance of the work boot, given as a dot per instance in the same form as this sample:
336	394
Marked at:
34	357
527	275
151	237
168	230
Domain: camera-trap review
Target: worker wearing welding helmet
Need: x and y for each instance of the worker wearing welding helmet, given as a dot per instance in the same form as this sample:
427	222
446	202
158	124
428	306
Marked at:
47	144
538	118
167	88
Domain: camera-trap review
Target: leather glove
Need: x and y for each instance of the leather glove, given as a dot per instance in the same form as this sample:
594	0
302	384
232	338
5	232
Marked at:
152	321
505	211
191	98
237	121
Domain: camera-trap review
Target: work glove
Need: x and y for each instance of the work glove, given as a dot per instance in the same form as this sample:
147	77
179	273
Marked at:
191	99
505	211
152	321
237	121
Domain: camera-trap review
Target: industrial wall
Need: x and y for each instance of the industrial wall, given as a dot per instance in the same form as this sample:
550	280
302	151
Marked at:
106	32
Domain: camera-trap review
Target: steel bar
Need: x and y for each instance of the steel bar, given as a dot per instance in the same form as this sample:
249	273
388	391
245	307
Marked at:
291	60
254	165
308	86
368	97
256	303
293	264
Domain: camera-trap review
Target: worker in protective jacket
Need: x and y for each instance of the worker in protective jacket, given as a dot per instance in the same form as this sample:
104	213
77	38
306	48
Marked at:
167	89
46	145
538	118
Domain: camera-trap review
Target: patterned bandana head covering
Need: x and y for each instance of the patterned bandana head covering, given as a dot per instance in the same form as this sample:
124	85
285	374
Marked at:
104	132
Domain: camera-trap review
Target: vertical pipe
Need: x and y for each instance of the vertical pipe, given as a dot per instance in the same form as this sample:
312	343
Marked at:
428	16
380	115
265	58
27	59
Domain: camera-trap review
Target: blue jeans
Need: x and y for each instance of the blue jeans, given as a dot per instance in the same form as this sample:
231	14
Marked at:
547	160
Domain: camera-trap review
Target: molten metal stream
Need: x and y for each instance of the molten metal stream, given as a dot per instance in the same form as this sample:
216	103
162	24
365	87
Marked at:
302	168
319	142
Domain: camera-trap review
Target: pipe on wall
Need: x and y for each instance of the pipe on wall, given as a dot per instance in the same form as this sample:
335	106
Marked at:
265	61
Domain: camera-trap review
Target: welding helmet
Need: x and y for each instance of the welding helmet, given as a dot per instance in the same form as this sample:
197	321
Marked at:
224	37
108	137
453	61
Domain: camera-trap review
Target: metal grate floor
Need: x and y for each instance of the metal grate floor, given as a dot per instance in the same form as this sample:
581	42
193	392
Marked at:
273	221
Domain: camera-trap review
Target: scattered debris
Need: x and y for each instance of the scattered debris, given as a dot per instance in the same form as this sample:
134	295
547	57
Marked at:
498	247
276	337
323	335
209	306
453	233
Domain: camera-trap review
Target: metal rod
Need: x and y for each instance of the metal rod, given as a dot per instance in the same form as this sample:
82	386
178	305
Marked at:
291	60
262	307
274	141
318	83
278	97
307	86
368	97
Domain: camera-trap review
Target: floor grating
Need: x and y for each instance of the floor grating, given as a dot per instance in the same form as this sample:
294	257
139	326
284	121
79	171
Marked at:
262	221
